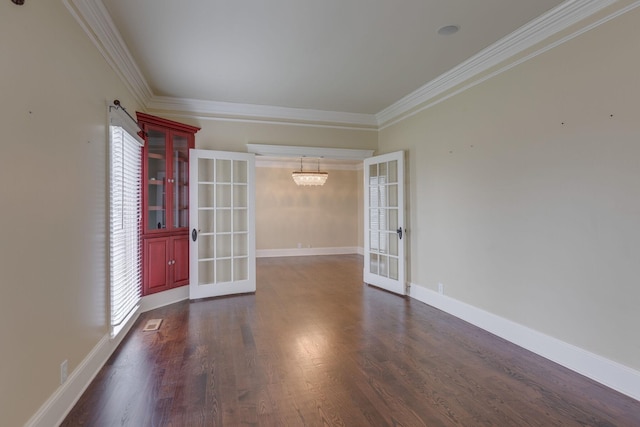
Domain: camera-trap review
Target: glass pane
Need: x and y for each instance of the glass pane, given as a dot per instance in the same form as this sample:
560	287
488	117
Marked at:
374	244
393	268
384	221
393	172
240	220
240	269
240	171
156	179
206	170
223	245
383	267
223	170
223	221
392	215
223	270
382	196
240	196
374	219
223	195
383	242
206	247
393	244
156	218
206	195
393	195
373	197
373	263
180	181
206	221
373	171
206	272
383	172
240	245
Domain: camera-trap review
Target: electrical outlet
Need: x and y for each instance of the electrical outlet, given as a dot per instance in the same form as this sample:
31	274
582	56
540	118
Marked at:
63	371
440	288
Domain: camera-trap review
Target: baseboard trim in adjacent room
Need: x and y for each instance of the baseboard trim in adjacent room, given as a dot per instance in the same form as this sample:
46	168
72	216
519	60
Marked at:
272	253
607	372
56	408
161	299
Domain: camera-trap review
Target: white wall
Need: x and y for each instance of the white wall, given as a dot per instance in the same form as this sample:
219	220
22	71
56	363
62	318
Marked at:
524	192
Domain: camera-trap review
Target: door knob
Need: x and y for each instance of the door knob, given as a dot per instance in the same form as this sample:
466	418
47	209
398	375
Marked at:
399	231
194	235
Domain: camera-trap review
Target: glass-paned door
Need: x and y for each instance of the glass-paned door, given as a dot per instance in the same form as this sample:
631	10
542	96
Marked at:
156	180
180	180
384	261
222	223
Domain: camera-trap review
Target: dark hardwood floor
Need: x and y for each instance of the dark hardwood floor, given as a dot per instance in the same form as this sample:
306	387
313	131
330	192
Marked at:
315	347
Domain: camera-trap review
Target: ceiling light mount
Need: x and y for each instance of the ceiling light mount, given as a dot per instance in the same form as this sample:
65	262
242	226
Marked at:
18	2
448	30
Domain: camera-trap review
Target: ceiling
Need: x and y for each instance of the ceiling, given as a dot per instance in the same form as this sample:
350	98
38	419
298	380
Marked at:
354	59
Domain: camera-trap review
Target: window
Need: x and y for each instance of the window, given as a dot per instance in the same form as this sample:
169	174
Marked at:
125	219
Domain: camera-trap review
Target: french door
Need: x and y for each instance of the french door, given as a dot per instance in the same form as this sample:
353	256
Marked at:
384	260
222	222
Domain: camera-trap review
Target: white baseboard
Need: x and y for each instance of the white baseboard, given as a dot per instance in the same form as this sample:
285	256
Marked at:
271	253
607	372
56	408
161	299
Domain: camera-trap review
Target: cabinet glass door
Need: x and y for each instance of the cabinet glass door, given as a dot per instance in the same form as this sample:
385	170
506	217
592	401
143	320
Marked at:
222	223
180	148
156	215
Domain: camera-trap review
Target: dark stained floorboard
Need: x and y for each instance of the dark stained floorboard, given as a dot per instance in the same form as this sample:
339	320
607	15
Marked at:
316	347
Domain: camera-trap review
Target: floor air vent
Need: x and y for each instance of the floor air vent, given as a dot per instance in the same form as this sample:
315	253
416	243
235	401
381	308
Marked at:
152	325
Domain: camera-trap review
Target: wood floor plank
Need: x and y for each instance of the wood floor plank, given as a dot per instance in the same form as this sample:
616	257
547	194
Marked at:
316	347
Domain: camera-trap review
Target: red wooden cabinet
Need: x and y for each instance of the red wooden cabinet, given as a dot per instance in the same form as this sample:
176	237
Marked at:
165	198
165	263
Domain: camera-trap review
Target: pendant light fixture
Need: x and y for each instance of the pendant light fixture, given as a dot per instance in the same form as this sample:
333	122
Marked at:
309	178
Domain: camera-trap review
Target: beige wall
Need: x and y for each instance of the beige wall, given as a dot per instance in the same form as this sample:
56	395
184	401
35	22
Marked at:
524	192
55	87
314	217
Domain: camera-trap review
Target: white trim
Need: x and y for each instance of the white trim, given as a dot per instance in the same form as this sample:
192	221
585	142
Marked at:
161	299
192	116
98	25
511	65
607	372
260	111
273	253
58	405
96	22
548	24
314	152
325	164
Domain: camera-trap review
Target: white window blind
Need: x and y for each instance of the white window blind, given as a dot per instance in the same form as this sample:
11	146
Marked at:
125	225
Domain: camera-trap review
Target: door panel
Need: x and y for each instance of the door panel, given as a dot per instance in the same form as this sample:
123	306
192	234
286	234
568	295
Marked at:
384	261
222	223
156	270
180	247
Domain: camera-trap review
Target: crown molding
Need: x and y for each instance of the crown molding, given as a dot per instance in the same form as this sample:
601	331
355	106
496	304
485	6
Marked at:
294	164
548	24
313	152
254	111
96	22
98	25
